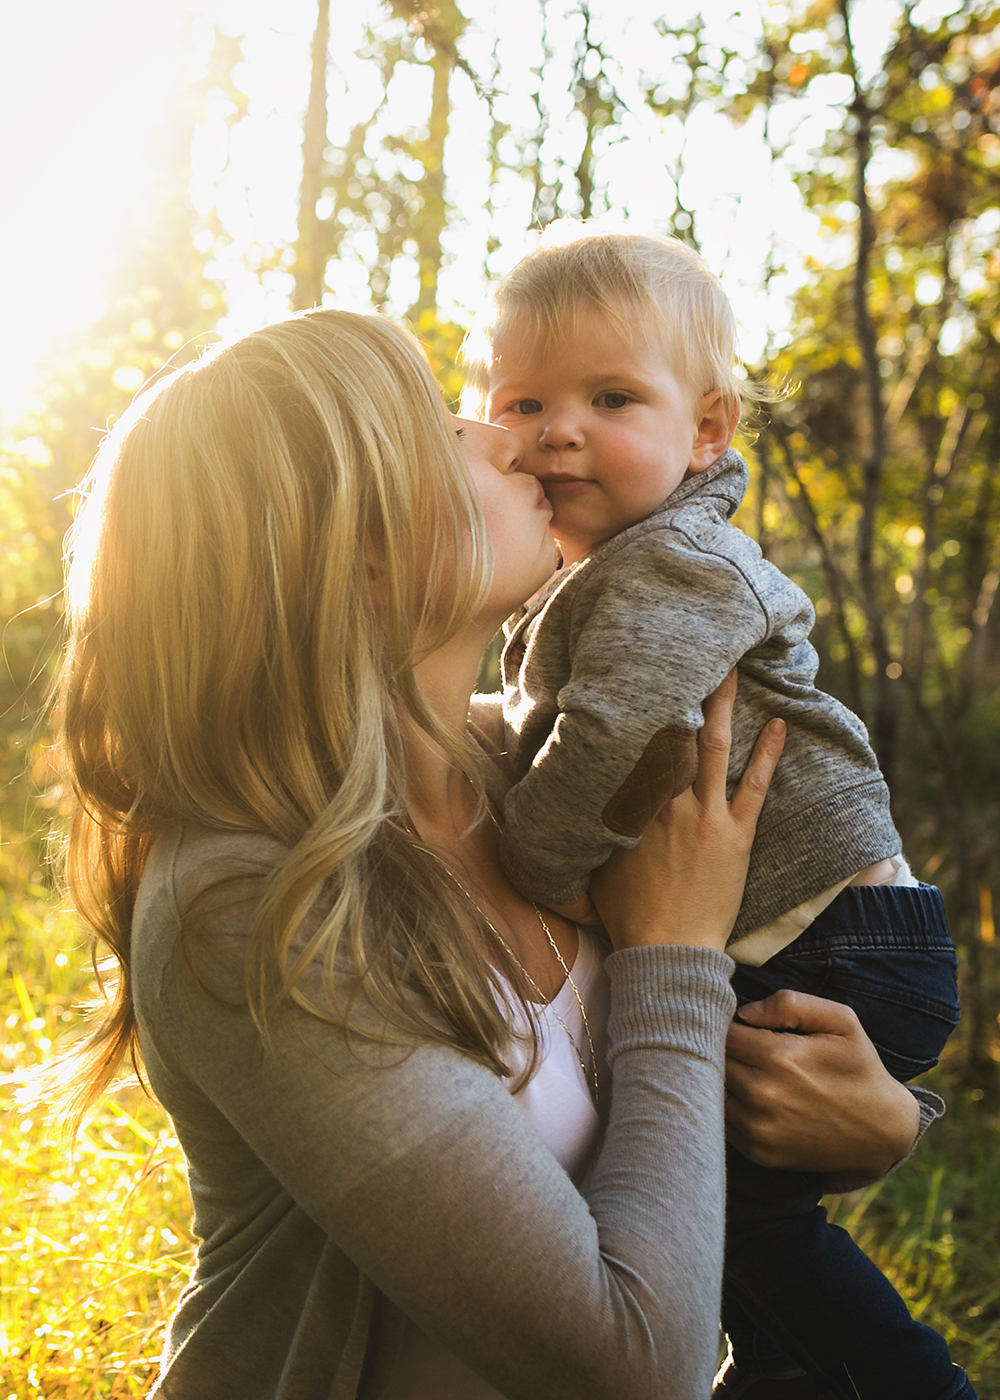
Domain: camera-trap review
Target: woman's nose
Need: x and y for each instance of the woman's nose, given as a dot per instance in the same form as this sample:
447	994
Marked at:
490	443
505	453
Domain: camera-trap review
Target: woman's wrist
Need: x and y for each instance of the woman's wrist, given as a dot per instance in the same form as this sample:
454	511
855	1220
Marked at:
900	1126
652	933
677	997
929	1108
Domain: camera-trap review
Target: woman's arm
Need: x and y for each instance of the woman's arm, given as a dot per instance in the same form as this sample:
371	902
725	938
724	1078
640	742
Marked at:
806	1090
421	1169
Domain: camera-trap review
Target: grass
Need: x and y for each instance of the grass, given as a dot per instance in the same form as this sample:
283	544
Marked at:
95	1245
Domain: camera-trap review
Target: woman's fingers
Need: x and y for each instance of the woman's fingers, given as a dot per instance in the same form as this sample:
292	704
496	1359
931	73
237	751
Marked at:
683	882
749	796
714	742
786	1010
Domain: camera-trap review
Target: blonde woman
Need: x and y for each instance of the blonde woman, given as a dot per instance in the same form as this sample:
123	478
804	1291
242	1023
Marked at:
438	1148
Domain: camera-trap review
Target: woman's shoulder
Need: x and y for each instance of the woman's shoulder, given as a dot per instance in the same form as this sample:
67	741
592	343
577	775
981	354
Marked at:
203	875
189	858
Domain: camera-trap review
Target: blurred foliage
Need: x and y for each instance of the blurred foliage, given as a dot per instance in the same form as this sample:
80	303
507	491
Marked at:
159	311
94	1244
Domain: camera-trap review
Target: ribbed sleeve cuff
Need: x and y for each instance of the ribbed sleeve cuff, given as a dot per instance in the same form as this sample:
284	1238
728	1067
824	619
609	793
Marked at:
677	998
931	1109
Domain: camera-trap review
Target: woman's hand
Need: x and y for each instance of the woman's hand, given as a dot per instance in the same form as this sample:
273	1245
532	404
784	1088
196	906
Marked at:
807	1091
683	882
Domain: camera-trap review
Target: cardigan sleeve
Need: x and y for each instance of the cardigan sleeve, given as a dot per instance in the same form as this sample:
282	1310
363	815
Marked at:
652	633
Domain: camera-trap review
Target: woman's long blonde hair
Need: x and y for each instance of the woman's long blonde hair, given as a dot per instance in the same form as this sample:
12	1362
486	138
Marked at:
269	541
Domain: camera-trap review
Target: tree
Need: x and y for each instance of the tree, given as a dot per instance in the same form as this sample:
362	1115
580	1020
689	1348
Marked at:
386	182
890	451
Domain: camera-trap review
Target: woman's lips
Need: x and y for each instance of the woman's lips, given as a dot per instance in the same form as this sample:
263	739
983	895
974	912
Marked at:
542	501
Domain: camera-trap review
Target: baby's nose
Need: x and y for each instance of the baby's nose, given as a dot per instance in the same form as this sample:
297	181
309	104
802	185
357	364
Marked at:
561	432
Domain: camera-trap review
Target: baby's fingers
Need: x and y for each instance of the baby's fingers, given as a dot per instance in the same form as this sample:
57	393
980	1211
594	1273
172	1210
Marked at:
749	796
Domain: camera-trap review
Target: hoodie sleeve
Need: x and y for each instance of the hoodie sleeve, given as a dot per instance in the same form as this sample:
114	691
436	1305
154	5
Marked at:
652	632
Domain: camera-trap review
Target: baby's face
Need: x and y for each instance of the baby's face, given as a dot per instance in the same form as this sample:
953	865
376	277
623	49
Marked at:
604	425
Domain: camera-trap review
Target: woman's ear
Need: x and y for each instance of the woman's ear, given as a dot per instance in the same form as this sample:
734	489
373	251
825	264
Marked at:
716	417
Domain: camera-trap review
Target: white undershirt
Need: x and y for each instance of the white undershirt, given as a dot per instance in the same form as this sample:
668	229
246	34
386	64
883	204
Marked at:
754	949
558	1101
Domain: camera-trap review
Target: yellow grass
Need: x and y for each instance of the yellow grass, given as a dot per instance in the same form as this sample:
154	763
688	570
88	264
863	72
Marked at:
94	1243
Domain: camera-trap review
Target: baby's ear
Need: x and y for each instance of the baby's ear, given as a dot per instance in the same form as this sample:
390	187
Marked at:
715	423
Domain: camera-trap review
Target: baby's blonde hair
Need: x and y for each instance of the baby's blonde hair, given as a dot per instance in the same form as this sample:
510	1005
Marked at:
649	287
270	541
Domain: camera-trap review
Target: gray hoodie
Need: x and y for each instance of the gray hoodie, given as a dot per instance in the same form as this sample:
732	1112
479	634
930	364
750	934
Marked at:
605	673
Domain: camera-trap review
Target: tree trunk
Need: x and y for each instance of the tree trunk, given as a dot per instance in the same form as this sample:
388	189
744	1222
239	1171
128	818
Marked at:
441	27
884	709
435	213
311	245
764	458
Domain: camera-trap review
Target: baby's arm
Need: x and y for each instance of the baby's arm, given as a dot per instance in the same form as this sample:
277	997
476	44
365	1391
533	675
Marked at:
651	634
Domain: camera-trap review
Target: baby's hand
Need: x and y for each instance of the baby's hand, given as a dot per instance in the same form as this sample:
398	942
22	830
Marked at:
581	911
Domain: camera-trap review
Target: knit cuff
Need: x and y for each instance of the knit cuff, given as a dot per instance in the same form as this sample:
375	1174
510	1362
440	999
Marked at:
678	998
931	1109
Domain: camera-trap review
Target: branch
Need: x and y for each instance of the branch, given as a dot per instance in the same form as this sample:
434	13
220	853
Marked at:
834	578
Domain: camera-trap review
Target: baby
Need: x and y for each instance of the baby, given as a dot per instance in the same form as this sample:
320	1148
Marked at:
611	359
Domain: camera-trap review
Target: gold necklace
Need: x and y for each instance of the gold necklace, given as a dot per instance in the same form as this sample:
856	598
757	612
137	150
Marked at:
579	1001
543	999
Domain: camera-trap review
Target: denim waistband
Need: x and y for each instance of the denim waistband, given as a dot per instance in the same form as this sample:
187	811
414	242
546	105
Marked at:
863	916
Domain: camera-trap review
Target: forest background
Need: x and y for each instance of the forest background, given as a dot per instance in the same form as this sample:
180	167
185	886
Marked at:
425	150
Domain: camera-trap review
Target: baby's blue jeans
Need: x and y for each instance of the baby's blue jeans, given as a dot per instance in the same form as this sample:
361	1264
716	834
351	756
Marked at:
798	1289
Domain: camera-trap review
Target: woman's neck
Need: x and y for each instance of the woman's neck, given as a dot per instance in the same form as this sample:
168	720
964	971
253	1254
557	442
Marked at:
439	795
442	805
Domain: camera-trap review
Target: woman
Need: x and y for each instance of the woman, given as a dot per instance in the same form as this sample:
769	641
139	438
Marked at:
281	585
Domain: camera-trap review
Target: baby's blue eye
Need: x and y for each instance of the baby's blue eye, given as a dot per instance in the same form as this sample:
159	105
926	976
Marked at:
613	400
528	406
